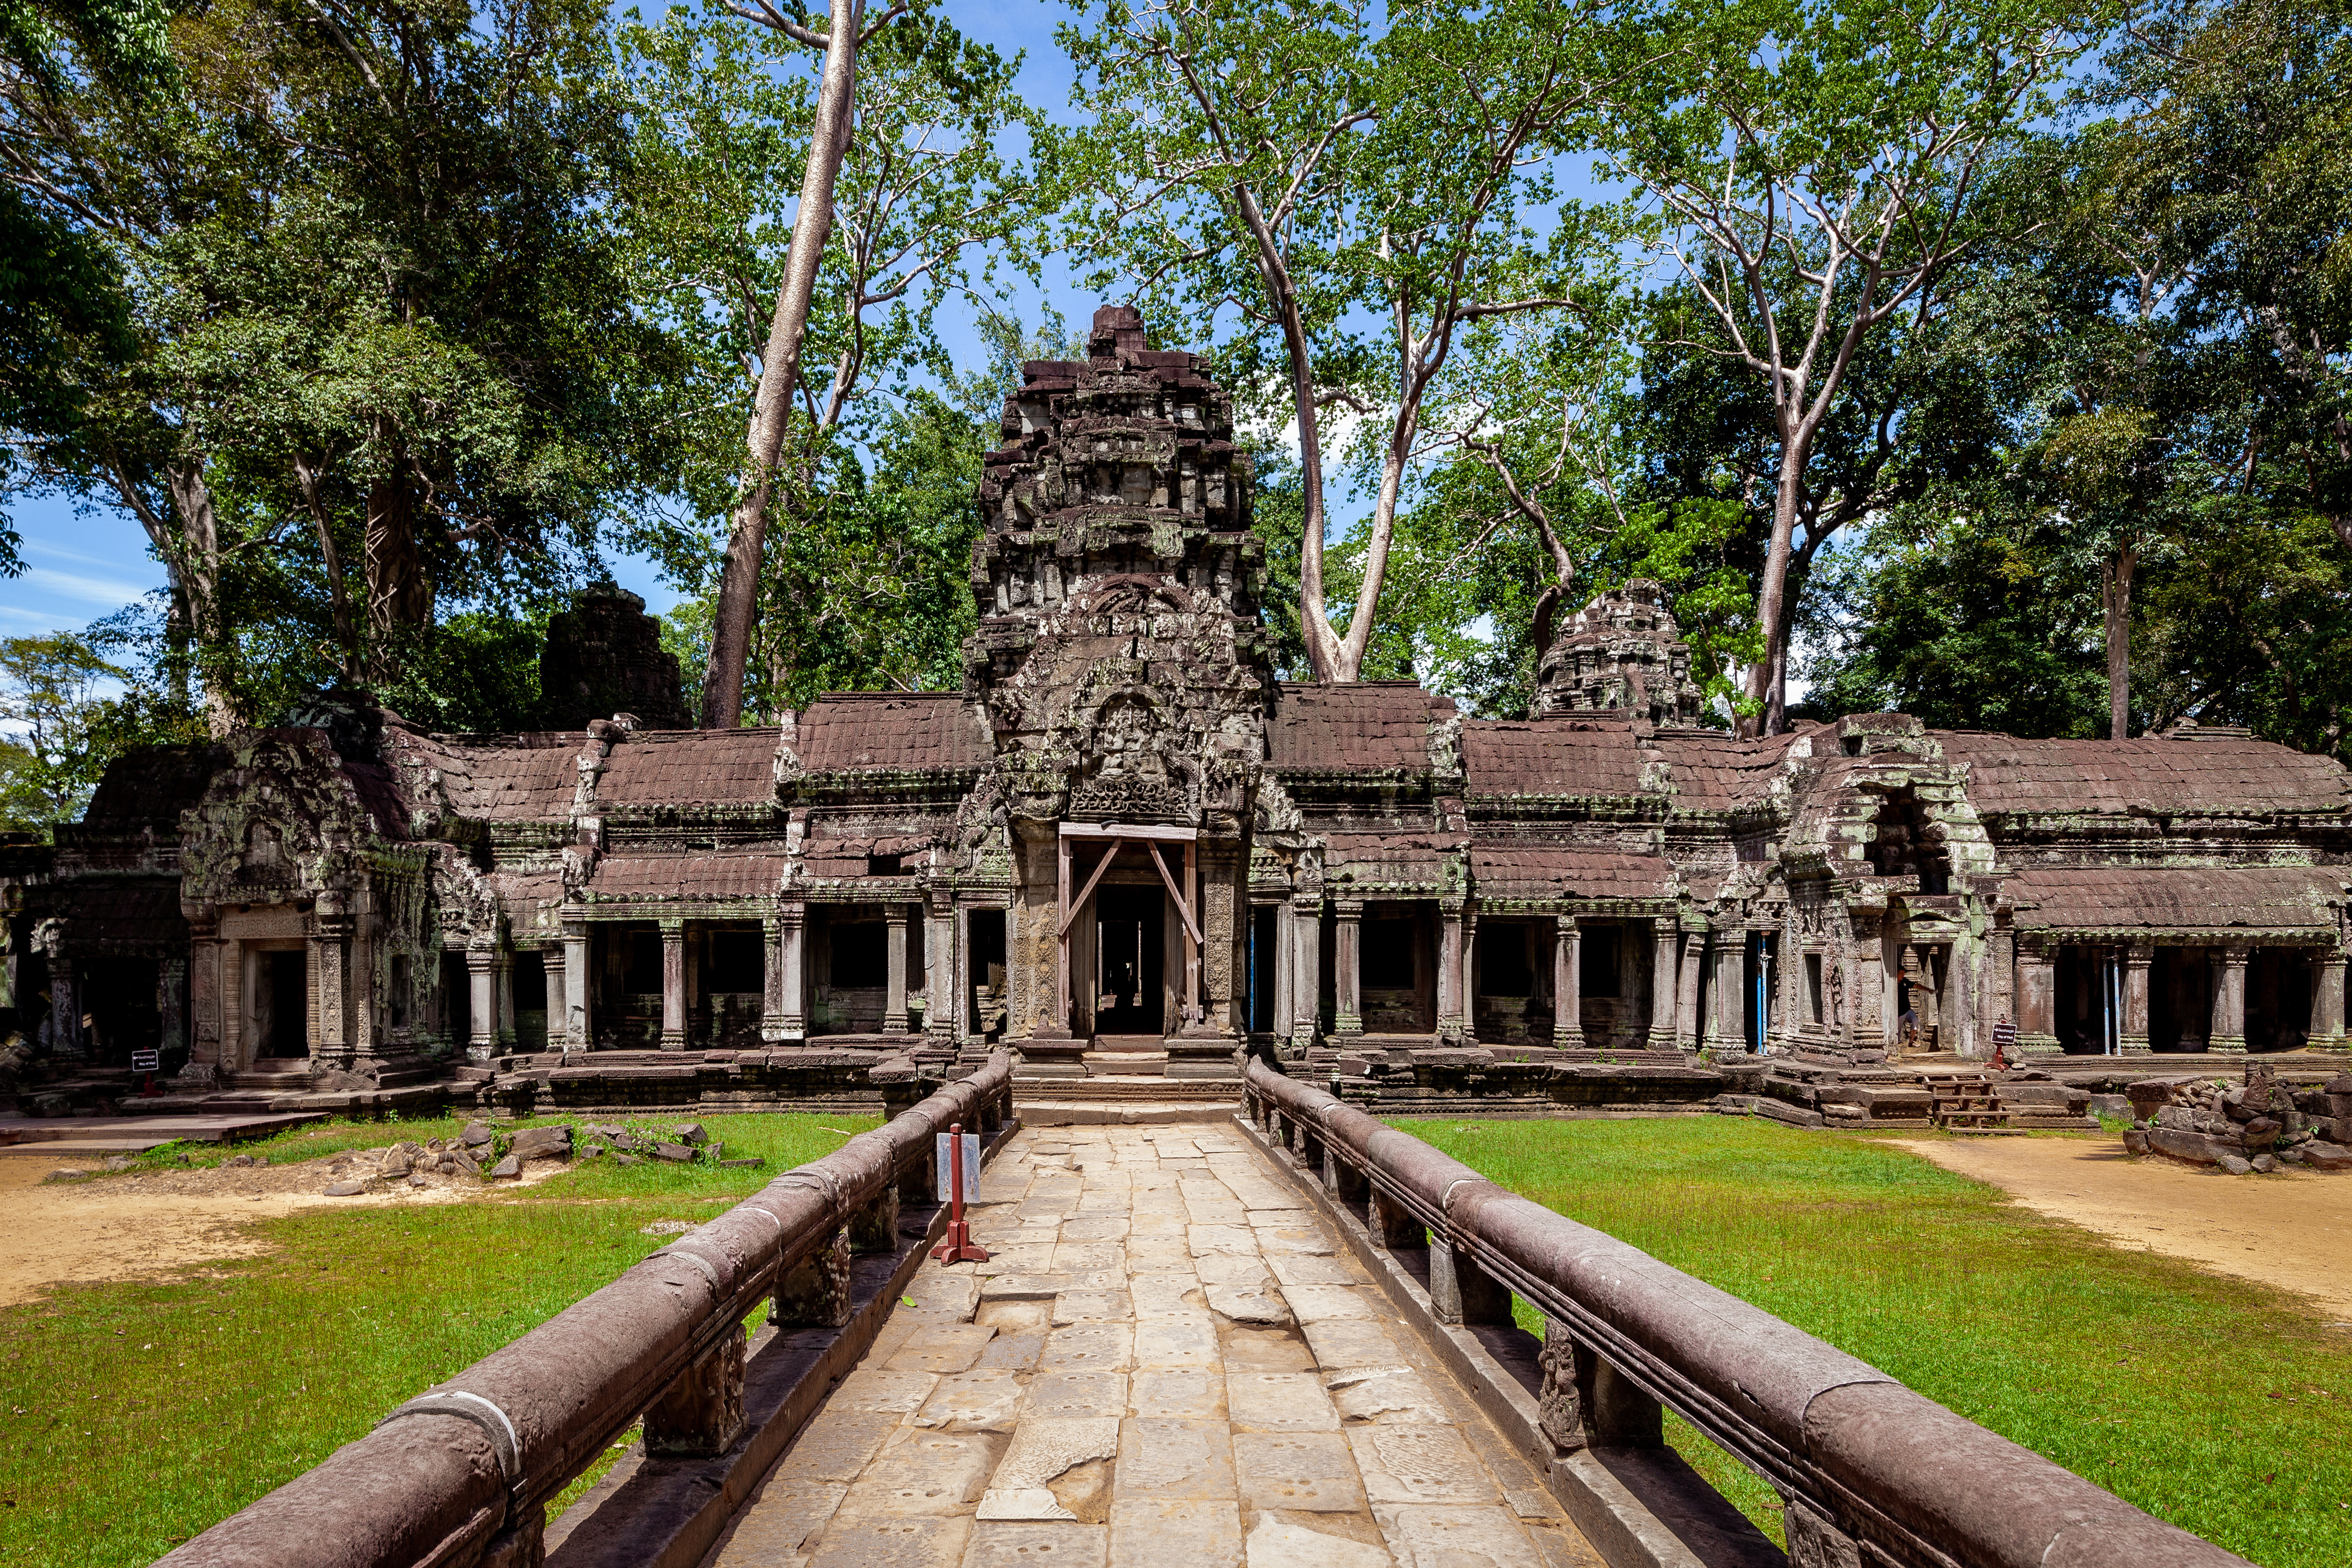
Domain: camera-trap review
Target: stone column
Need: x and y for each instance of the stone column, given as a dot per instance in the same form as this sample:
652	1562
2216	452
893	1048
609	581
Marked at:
940	966
2037	1000
1468	968
482	1003
2000	989
1568	986
506	960
787	1019
551	964
2136	959
171	975
1283	962
576	984
1347	969
894	969
1452	1006
673	1030
1729	1028
206	1004
1306	980
1870	1023
1666	944
1688	1024
329	950
2327	1000
2229	997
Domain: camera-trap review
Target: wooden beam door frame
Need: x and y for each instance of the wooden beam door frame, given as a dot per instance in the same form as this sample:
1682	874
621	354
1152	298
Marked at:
1119	836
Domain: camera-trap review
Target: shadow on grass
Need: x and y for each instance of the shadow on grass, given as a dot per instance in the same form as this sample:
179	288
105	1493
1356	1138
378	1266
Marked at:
2214	1402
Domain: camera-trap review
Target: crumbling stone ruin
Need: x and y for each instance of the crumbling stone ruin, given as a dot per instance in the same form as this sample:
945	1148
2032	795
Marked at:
1128	851
2258	1124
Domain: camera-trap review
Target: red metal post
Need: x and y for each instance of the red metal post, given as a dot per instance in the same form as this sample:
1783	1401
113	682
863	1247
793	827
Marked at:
957	1247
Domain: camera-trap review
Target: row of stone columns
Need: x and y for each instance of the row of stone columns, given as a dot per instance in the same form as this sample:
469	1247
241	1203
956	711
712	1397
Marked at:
1675	961
2037	999
784	979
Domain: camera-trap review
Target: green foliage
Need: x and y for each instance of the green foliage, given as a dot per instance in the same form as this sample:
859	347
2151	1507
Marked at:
52	747
2208	1401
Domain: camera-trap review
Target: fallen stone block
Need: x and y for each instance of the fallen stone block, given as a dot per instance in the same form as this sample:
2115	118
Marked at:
2235	1165
2327	1156
346	1189
476	1135
1782	1111
677	1154
507	1168
693	1132
2196	1148
541	1143
745	1164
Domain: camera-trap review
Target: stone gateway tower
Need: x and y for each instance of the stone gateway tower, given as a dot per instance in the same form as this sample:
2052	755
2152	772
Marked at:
1122	667
1127	850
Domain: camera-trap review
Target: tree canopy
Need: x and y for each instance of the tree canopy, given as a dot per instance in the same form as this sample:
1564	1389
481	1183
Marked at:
1989	363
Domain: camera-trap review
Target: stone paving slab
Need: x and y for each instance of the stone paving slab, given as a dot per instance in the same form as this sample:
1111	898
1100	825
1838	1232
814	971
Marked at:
1169	1365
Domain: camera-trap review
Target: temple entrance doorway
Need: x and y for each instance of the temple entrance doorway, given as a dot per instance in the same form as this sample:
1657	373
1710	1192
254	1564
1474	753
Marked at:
281	1004
1131	932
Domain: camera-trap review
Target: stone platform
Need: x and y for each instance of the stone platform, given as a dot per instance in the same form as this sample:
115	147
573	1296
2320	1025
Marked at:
1168	1361
55	1136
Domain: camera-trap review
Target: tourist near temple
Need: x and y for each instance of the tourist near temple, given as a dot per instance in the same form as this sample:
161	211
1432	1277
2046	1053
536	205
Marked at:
1127	850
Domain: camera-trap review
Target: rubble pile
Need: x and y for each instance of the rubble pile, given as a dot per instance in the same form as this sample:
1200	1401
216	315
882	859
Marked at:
2255	1126
487	1153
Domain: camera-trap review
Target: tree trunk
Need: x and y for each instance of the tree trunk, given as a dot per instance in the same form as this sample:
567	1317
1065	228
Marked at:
400	593
338	598
199	556
739	578
2118	587
1769	683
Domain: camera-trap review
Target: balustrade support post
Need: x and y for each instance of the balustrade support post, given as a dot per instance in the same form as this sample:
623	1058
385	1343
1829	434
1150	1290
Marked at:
702	1412
814	1293
1460	1291
522	1544
875	1228
1393	1226
1815	1542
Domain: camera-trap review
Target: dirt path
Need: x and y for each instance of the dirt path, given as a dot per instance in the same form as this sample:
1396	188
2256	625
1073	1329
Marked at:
2292	1230
158	1224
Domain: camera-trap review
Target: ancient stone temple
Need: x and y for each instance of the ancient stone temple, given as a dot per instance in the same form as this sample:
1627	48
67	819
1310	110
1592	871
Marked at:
1128	851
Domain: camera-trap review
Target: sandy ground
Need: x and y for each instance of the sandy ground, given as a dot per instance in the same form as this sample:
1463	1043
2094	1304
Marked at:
2292	1230
158	1224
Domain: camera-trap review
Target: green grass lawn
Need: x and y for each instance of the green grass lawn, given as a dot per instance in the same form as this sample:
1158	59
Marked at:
2219	1404
133	1415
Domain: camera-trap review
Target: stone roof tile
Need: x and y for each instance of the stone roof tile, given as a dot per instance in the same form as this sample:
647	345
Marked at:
731	875
2158	775
1521	870
691	766
2255	898
1358	726
919	731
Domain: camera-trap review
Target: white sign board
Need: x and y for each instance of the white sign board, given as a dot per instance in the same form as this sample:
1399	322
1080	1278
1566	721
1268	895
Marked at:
146	1061
971	1168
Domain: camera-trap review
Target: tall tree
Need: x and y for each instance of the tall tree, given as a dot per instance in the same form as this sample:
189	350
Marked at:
924	195
1351	193
1817	166
388	357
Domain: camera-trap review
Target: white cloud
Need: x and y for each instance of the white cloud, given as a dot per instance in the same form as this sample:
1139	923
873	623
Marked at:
109	591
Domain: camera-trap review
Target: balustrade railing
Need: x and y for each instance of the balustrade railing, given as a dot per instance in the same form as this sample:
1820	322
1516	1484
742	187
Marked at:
1872	1473
461	1475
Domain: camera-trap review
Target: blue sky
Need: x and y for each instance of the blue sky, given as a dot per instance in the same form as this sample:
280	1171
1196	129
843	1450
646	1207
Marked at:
85	561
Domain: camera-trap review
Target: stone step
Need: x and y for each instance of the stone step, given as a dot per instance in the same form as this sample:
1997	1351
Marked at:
1127	1064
